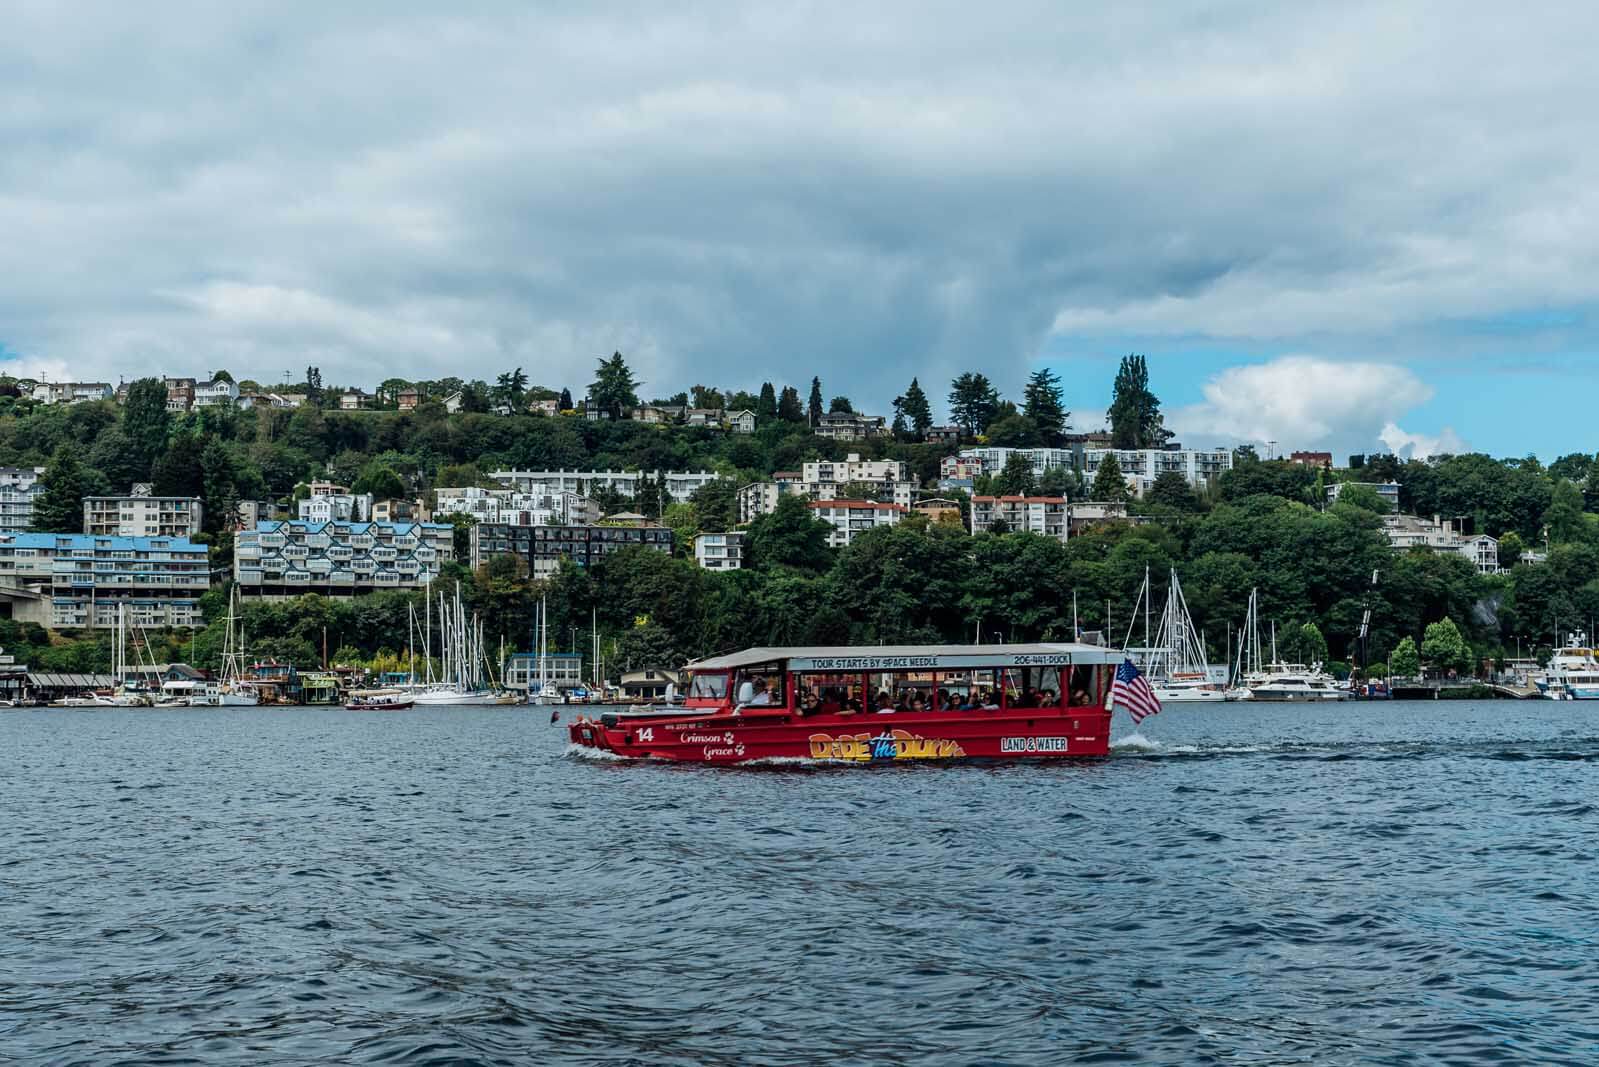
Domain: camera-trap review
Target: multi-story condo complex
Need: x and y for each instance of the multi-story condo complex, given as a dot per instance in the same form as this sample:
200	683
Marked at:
971	462
543	547
139	514
1045	515
849	518
680	485
822	479
1141	466
336	507
512	507
71	392
85	579
339	558
19	486
758	498
720	551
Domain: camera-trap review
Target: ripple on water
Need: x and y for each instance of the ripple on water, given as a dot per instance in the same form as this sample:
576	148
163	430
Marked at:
1389	883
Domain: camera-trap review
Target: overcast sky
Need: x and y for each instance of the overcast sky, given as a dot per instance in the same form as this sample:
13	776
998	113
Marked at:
1326	228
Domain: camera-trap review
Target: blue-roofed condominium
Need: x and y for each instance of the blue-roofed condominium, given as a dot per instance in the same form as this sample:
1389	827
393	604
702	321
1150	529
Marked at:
339	558
78	581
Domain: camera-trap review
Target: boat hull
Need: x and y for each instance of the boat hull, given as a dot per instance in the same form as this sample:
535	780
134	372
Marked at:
454	699
745	738
1315	697
379	705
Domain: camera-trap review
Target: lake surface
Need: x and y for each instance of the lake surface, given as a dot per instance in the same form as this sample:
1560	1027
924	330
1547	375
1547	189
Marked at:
1374	883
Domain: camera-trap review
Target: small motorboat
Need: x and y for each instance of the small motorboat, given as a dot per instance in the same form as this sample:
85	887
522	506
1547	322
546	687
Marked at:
379	700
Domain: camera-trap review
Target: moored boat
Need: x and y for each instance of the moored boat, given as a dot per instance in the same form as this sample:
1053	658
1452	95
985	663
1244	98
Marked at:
1573	671
869	705
378	700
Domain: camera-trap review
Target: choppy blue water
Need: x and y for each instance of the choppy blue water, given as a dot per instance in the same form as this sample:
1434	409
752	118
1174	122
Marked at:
1383	883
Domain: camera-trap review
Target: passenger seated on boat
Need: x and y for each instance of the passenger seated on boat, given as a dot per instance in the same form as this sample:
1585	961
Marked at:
917	703
885	702
1047	698
763	695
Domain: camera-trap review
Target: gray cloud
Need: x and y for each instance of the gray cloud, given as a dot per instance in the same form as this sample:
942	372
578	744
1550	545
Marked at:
728	194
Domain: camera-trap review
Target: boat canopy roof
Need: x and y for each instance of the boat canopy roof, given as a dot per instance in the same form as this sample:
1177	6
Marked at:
912	657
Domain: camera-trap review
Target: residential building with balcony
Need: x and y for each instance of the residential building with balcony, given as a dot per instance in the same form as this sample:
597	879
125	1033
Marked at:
851	518
1387	492
141	514
838	426
219	393
71	392
543	547
87	578
680	485
339	558
336	507
720	551
822	479
939	510
355	400
19	487
1141	466
512	507
1046	515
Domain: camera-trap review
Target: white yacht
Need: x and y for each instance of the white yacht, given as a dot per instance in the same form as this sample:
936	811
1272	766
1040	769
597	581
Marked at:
1573	671
1274	680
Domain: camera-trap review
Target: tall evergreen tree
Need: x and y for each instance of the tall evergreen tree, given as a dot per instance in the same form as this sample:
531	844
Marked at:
766	407
917	410
566	399
1016	479
1041	402
814	407
900	428
59	506
614	388
789	408
1135	420
1109	484
146	422
973	402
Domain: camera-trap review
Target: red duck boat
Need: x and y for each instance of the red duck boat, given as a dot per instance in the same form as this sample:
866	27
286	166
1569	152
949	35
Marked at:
1040	701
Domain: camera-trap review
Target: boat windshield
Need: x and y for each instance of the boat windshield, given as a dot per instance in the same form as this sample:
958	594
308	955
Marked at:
711	685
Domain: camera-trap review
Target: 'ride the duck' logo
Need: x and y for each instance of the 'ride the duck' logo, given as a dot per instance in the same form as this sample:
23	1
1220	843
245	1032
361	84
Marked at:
890	744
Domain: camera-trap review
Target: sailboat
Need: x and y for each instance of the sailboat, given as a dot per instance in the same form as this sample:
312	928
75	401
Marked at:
543	692
234	689
461	653
122	695
1175	662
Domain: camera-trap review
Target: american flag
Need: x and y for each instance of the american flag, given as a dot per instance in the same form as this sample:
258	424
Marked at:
1131	690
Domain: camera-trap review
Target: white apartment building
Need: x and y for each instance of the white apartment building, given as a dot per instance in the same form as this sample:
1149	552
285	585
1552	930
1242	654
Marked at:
513	508
822	479
71	392
339	558
1437	534
849	518
1141	466
336	507
1387	492
19	486
756	499
971	462
1046	515
140	514
680	485
720	551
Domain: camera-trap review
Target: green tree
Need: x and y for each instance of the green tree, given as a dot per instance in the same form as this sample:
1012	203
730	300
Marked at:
180	471
1042	402
789	537
218	481
1016	479
840	405
146	422
1170	489
614	388
918	412
973	402
814	407
789	408
1109	485
1404	662
1511	546
1359	495
1309	645
1563	517
59	506
1444	647
766	406
1135	419
381	481
565	402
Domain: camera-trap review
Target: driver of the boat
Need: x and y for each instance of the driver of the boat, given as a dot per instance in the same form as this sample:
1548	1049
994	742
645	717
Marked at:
763	695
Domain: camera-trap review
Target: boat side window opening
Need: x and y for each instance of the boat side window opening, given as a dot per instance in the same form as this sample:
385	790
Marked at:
708	685
829	694
1032	687
1081	687
760	686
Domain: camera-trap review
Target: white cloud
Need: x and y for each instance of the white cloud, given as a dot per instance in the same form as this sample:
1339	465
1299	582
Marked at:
1308	402
1421	446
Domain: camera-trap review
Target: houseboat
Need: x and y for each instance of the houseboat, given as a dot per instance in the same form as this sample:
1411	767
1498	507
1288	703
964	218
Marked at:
873	705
